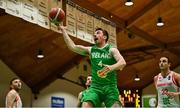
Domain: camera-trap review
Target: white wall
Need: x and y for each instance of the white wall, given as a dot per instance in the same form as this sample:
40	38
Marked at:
6	75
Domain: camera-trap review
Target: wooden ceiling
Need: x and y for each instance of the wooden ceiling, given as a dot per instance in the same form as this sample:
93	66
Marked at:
139	40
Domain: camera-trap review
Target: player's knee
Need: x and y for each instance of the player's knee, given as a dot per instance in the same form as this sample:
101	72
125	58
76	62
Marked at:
116	105
87	105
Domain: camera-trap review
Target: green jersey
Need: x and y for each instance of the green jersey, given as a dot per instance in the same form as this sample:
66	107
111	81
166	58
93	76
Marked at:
99	56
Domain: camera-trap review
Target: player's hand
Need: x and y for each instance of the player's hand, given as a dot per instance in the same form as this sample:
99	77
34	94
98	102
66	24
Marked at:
62	28
172	94
104	71
101	74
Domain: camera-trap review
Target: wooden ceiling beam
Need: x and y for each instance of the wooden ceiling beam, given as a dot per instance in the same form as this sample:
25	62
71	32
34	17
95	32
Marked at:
144	35
173	44
139	58
100	12
154	41
139	14
142	48
174	51
130	63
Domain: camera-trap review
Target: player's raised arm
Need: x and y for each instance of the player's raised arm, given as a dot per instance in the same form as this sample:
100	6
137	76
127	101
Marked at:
56	16
80	49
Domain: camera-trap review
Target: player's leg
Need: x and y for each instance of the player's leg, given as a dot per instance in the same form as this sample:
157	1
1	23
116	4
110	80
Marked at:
112	97
91	98
87	104
116	104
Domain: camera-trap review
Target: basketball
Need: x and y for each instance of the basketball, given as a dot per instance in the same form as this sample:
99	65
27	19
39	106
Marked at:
56	15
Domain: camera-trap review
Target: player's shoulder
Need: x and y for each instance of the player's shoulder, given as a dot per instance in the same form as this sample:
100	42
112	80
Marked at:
175	74
156	77
113	49
12	93
80	93
110	45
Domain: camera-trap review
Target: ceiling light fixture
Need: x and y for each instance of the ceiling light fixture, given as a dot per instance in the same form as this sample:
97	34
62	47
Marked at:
40	54
128	3
160	22
137	78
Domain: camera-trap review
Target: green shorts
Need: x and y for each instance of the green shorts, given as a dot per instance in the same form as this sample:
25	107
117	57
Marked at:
108	94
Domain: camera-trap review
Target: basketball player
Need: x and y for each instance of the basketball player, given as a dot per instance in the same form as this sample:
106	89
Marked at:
105	61
13	99
82	93
167	84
